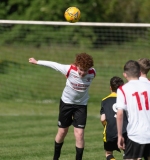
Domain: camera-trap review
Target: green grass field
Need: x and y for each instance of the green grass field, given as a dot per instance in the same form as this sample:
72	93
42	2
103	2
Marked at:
30	95
28	132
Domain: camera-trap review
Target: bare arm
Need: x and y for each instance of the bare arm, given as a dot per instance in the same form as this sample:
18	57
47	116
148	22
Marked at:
103	119
121	143
32	60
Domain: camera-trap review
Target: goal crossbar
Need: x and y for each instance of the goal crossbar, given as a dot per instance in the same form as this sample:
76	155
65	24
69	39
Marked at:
75	24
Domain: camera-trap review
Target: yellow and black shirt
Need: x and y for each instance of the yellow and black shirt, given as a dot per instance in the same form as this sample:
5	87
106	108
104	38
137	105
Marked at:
108	107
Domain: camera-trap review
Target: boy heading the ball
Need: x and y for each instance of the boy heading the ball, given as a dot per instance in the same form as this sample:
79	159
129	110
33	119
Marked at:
74	99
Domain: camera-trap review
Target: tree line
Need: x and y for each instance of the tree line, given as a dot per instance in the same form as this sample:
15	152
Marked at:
135	11
129	11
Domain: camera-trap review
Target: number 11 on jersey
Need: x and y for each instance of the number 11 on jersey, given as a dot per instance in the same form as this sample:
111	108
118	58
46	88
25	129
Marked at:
145	95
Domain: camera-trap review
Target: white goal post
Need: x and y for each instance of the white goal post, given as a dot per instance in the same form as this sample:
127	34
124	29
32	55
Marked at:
75	24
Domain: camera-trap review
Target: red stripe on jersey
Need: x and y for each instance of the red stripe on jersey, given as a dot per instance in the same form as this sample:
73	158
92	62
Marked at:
71	67
123	94
92	71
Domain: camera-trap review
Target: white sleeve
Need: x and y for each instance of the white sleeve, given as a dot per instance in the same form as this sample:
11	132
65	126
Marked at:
121	100
57	66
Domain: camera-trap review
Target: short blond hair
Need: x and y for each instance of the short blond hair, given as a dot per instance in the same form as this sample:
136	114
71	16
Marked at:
144	65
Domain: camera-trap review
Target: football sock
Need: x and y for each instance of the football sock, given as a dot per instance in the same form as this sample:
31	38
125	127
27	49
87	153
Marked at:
79	153
57	150
110	157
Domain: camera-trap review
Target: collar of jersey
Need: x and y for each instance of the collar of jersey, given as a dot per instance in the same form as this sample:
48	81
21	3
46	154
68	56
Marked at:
113	94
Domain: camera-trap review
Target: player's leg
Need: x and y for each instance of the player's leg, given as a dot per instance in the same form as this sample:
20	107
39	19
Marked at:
64	121
79	136
109	147
59	139
79	123
109	155
61	134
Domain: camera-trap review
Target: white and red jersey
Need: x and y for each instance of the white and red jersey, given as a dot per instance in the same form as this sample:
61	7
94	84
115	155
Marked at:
144	79
134	98
76	89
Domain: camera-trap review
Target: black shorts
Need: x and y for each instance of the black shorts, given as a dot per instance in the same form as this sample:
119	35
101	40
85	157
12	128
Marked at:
72	114
135	150
112	145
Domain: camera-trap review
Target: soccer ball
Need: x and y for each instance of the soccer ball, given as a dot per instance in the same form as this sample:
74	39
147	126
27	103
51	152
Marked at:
72	14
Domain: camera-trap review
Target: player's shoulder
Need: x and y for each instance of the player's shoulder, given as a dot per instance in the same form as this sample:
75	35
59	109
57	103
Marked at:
138	83
130	83
72	67
147	83
112	95
92	71
148	80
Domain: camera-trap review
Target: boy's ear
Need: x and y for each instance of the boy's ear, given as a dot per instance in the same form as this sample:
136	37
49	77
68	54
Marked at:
110	88
140	74
125	75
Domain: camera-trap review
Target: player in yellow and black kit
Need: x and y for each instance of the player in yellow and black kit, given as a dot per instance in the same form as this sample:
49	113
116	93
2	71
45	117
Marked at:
108	118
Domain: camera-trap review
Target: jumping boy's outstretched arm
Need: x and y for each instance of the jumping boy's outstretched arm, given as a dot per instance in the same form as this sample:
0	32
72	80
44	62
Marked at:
57	66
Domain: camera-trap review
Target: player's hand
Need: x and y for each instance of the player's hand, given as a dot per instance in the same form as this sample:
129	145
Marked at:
121	144
32	60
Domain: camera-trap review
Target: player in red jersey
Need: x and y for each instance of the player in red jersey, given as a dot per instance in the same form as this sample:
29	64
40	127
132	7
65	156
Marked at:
108	118
74	99
134	98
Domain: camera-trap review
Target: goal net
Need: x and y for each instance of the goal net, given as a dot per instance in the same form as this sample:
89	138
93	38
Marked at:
110	44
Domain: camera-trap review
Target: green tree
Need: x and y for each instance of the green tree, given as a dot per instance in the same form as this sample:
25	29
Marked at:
144	12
